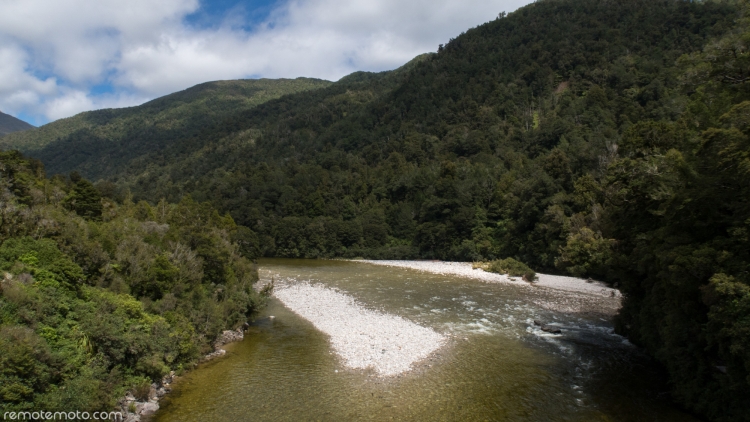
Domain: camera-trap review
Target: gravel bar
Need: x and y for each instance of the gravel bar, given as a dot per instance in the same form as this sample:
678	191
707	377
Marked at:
464	269
363	338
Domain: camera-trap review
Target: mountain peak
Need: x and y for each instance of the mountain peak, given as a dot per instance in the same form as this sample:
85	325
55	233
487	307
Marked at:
9	124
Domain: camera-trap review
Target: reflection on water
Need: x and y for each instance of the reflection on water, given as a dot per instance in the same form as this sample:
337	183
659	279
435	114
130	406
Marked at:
498	365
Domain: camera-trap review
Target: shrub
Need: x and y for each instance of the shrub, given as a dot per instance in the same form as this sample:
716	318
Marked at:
510	266
585	253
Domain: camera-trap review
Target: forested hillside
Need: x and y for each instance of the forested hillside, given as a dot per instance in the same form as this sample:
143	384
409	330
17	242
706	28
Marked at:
459	156
136	130
590	137
99	297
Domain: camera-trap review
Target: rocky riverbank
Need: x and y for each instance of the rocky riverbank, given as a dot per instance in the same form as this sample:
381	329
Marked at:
136	410
363	338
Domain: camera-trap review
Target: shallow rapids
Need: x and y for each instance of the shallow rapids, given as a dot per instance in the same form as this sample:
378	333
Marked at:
496	364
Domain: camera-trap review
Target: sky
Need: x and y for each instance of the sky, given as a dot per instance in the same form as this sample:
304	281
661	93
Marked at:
61	57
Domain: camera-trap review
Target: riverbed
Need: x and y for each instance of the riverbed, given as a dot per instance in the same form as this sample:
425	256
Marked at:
491	362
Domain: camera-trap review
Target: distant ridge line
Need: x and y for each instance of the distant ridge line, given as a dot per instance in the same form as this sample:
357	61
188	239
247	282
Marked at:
10	124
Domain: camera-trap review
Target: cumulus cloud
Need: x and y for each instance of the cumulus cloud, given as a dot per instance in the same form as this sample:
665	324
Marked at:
53	53
72	101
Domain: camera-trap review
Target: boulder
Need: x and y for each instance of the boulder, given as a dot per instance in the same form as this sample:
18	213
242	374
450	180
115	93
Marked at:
216	354
229	336
551	329
132	417
167	379
149	408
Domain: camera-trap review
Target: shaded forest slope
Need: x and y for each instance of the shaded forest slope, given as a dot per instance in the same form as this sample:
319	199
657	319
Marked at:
9	124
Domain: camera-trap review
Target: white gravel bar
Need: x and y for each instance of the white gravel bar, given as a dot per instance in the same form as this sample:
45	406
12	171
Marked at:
464	269
363	338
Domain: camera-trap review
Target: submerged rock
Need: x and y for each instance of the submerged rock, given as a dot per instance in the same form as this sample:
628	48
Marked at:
216	354
547	328
551	329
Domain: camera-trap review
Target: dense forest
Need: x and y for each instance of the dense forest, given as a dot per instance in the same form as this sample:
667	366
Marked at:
163	120
99	297
589	137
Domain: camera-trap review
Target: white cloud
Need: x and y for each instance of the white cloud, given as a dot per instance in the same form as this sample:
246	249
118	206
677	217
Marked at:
144	49
71	102
19	88
68	104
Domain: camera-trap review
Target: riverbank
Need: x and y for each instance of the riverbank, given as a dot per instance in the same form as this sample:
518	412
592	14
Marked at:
134	410
361	337
553	292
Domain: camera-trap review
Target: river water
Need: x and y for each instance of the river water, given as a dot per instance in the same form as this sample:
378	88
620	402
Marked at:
497	365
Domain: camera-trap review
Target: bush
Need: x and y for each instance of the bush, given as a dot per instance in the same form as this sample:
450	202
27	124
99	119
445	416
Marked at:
510	267
141	389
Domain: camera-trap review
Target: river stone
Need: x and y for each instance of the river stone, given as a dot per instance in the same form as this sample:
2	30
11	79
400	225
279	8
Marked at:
150	407
132	417
551	329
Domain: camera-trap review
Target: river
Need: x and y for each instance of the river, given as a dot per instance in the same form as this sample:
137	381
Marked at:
496	366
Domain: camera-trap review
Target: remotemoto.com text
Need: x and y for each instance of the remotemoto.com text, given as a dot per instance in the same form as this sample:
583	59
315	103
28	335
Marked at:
62	416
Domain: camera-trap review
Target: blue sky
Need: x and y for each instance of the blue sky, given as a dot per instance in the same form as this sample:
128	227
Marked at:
61	57
212	13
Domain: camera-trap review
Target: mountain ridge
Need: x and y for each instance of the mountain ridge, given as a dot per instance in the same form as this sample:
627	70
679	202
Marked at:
10	124
207	98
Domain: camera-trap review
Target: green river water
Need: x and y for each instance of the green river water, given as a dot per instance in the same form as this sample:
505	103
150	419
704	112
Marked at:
497	366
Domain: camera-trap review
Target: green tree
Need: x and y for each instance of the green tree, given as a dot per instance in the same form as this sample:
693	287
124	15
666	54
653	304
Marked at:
85	200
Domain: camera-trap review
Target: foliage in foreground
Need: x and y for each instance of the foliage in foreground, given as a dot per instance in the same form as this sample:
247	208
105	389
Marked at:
98	297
